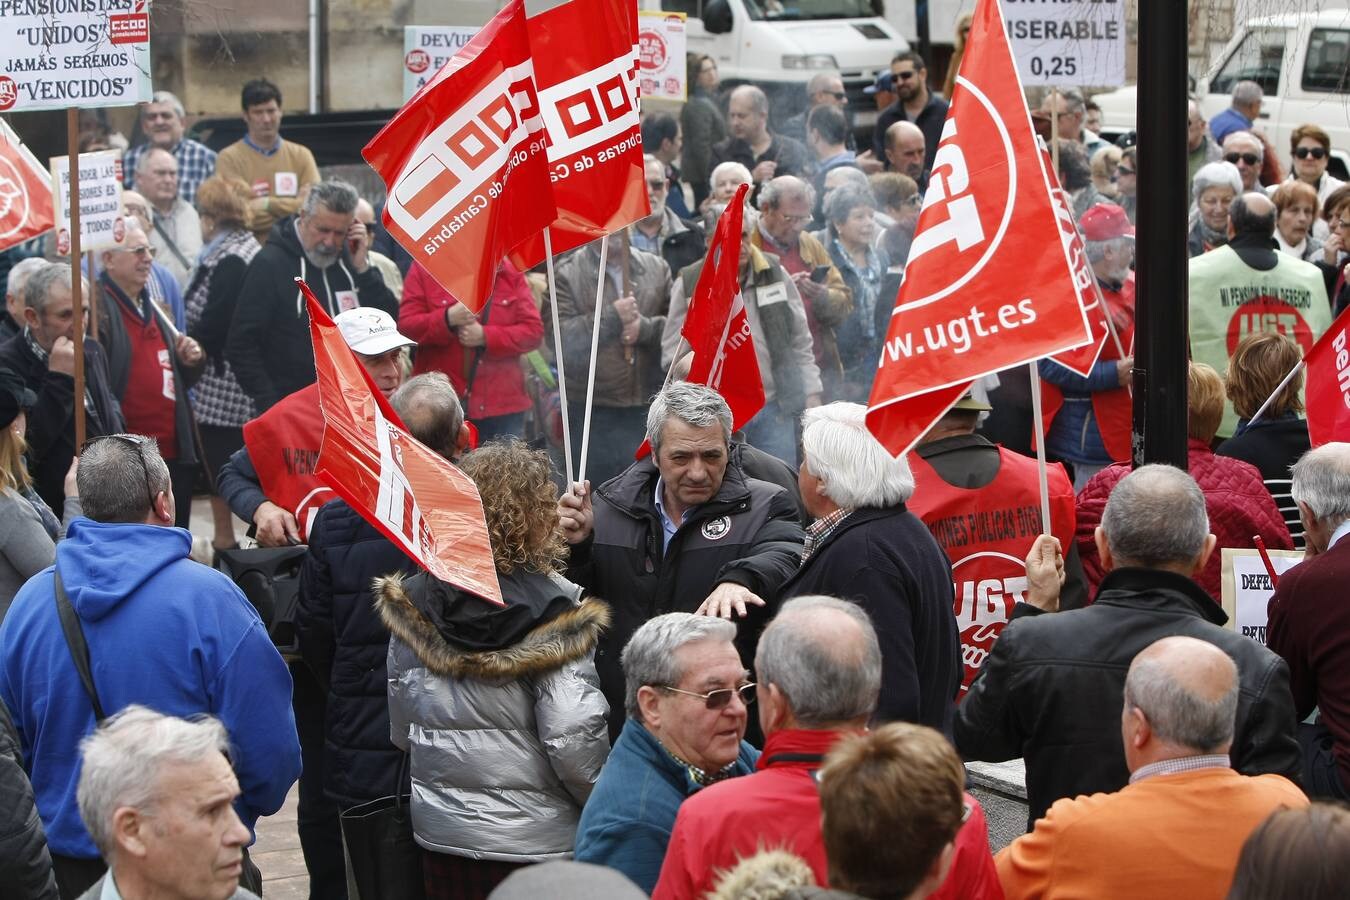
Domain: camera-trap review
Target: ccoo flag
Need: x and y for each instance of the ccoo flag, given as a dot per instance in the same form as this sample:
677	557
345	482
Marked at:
25	192
988	284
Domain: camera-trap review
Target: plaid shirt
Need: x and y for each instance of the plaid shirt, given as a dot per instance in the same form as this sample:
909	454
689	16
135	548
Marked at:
196	163
1179	765
820	529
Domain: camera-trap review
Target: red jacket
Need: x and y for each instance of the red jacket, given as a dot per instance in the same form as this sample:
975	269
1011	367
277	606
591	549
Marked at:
779	807
511	328
1236	499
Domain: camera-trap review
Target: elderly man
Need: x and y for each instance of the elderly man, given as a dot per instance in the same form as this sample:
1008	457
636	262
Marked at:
686	695
1071	109
161	630
1247	285
1245	150
1087	421
151	364
1308	631
156	794
269	346
823	89
682	530
177	235
662	138
162	122
11	320
865	546
1180	698
753	145
163	284
1200	147
1050	690
906	152
1241	114
664	233
820	670
914	103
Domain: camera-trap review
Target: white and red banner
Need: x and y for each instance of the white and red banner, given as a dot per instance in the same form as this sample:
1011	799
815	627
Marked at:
1079	360
586	70
1327	391
25	192
988	284
415	497
465	161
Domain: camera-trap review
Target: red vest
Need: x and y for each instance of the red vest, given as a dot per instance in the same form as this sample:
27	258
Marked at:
283	444
987	532
149	403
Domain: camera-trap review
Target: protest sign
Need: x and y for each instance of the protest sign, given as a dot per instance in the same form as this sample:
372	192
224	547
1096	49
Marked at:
428	47
100	200
1246	587
1068	43
661	43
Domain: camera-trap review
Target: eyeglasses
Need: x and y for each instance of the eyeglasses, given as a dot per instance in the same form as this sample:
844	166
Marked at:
1121	170
796	219
718	699
146	251
1314	152
135	445
1250	159
838	95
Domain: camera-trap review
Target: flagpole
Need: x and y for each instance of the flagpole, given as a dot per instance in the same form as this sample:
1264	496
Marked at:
1106	314
76	277
1036	420
1275	393
595	348
558	356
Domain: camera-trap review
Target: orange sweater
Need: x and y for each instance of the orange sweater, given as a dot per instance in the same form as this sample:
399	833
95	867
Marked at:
1166	836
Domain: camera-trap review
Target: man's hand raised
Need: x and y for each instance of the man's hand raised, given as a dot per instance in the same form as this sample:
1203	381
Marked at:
575	515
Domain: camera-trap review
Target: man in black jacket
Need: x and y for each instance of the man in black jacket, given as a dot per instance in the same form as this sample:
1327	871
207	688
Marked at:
269	346
25	862
681	531
676	240
864	546
1052	689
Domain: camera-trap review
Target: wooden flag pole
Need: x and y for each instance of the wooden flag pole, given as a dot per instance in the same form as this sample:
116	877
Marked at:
1054	131
595	347
93	296
558	357
76	281
1039	432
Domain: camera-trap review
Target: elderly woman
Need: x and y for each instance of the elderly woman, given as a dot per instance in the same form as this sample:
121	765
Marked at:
687	696
1213	189
1310	146
1296	209
724	180
851	239
1335	259
499	706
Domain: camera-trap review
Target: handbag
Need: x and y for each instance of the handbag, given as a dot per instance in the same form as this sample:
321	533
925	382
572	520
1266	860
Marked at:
383	861
270	579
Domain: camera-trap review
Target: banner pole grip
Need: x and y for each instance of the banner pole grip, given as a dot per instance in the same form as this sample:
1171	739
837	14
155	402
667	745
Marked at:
558	357
1041	474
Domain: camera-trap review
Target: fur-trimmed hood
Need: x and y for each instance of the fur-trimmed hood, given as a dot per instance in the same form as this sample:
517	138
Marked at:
768	875
556	640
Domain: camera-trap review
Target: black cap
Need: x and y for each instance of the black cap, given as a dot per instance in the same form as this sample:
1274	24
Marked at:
15	397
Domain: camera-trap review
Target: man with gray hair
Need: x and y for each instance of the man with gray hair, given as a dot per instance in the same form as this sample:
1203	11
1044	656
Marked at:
682	530
159	797
1242	113
687	694
176	230
11	320
1051	689
1308	627
866	547
753	145
1246	151
162	122
269	346
126	617
1180	698
822	89
1071	108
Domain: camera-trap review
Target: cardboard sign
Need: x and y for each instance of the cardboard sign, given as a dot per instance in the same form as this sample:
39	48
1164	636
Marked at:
100	200
85	54
1068	43
428	47
1247	588
661	43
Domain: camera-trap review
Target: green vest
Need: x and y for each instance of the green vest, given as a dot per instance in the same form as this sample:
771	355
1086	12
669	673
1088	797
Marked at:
1229	300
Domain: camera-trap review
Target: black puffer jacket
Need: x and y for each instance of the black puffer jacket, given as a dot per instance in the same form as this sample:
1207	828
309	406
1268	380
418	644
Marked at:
25	864
748	534
1052	689
343	640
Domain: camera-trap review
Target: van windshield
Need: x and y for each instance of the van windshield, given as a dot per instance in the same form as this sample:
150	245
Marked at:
813	9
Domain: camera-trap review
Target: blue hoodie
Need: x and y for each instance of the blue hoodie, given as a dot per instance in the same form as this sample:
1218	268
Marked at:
164	632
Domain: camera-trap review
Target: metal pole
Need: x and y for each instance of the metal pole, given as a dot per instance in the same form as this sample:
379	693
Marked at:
921	26
1162	323
76	282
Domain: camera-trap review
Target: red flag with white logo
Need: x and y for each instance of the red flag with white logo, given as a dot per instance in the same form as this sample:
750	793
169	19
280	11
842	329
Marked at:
415	497
586	69
25	192
1327	393
1079	360
988	284
464	161
717	328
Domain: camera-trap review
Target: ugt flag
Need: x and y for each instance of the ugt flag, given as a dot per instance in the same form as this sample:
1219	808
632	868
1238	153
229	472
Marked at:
464	161
1327	393
25	192
988	284
1080	360
415	497
586	69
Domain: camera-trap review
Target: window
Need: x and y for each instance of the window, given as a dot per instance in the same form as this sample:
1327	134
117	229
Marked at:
692	8
1328	57
1258	58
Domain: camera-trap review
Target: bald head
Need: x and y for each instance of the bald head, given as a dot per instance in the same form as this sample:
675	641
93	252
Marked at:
1155	518
1180	700
1252	213
905	149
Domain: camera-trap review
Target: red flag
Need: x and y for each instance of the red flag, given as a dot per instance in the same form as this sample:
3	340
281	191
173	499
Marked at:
1081	359
415	497
25	192
716	326
1327	393
586	68
464	161
988	284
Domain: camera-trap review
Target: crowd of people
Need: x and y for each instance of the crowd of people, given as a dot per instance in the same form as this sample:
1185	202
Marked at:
748	664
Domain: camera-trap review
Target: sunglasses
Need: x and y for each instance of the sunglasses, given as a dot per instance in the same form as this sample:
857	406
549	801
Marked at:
1314	152
135	445
905	76
1250	159
718	699
838	95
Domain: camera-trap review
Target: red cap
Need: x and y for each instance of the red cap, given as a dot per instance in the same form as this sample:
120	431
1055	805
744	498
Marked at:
1105	221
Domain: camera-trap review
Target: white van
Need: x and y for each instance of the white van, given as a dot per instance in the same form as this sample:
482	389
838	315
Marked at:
779	44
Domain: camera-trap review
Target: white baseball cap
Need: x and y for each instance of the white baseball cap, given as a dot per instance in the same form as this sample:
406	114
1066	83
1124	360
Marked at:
370	331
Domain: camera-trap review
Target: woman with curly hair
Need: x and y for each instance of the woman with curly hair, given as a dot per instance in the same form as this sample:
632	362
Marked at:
500	706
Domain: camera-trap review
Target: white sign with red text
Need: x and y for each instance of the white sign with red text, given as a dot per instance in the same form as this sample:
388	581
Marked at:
428	47
100	200
661	43
1246	587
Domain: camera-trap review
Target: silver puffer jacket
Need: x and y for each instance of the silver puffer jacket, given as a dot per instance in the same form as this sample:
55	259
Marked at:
506	742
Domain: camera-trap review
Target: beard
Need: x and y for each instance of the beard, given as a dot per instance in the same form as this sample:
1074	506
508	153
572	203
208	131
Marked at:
317	256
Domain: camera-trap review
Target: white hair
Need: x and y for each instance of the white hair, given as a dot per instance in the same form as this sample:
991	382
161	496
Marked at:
1216	174
166	97
22	271
730	166
856	469
1322	483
